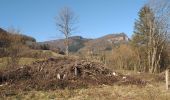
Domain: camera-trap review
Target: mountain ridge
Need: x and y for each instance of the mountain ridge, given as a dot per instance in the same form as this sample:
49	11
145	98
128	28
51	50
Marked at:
79	43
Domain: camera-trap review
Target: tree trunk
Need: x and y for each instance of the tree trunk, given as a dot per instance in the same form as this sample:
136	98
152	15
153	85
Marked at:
67	46
67	53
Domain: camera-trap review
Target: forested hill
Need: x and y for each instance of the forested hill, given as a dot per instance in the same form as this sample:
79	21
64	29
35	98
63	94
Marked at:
78	43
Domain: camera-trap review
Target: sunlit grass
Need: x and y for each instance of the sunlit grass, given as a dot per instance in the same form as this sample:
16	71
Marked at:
23	61
104	92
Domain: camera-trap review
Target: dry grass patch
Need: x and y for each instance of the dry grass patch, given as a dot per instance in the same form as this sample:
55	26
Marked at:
103	92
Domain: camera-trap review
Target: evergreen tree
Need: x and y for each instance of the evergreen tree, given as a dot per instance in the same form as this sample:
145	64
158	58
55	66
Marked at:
141	37
150	36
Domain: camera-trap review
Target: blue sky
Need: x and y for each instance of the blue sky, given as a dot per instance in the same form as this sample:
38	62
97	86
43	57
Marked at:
95	17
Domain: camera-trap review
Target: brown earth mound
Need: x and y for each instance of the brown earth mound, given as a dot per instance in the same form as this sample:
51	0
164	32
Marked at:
62	73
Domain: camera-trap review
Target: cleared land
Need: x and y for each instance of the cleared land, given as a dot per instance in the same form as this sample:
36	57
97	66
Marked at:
38	80
152	91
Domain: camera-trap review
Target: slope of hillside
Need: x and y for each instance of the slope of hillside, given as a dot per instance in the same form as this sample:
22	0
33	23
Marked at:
2	31
75	43
11	43
7	36
106	42
79	44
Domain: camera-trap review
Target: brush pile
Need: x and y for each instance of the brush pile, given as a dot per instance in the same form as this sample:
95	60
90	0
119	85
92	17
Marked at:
62	73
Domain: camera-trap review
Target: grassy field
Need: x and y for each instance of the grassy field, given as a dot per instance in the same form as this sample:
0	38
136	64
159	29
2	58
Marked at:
29	60
104	92
23	61
154	90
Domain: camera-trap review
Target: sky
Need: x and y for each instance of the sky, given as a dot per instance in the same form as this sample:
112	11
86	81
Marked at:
96	18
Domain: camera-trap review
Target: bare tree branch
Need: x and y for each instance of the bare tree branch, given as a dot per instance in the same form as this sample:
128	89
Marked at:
65	22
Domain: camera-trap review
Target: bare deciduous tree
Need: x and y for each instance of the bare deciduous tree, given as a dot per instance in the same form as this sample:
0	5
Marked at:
65	23
158	31
151	31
